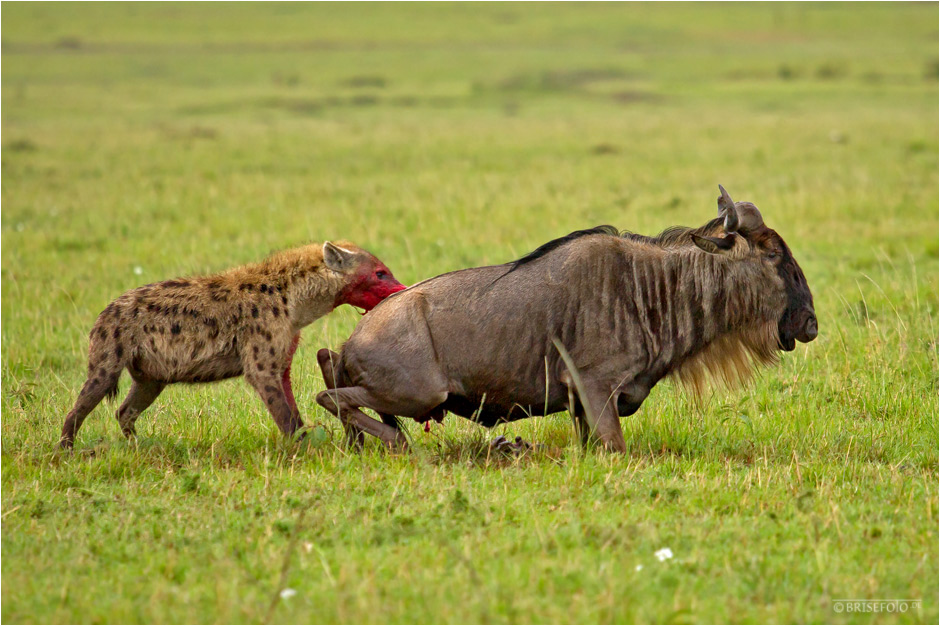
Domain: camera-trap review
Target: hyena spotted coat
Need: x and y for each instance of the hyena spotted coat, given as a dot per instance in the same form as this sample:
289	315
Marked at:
244	321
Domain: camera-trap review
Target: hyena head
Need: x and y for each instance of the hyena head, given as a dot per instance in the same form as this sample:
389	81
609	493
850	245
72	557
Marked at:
368	280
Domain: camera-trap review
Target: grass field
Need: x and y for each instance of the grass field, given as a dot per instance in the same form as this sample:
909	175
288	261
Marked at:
148	141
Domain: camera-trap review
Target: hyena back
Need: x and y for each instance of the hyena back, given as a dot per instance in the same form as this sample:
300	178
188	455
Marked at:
245	321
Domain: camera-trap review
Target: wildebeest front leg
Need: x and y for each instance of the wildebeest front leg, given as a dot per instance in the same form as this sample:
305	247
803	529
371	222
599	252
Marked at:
576	411
344	403
581	428
631	398
602	421
141	395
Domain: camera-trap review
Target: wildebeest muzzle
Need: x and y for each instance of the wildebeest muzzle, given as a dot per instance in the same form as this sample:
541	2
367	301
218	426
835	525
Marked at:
804	328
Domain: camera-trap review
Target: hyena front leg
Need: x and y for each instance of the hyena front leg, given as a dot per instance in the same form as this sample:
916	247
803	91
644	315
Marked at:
264	365
141	395
285	379
268	386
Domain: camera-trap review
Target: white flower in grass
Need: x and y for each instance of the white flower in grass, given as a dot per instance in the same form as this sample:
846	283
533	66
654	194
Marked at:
663	554
138	270
288	593
639	567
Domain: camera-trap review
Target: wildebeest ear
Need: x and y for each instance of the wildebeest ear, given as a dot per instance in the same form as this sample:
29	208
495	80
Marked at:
336	258
714	245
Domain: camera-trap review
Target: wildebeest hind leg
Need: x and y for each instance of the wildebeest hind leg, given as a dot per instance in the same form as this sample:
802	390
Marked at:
344	403
390	420
329	362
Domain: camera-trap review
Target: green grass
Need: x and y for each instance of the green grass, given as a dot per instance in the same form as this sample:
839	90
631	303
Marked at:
147	141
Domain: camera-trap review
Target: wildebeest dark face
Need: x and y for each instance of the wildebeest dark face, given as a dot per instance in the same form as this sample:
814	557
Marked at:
798	320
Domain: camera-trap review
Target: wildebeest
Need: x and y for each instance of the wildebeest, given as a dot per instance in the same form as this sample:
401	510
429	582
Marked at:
589	322
246	320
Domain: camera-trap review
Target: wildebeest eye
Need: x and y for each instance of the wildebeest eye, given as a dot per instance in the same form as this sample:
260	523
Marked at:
772	255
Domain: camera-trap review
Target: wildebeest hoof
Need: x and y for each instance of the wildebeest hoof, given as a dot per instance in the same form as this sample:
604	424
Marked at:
517	447
397	446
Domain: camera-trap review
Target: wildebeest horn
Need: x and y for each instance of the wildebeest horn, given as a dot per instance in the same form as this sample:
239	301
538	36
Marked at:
726	209
739	216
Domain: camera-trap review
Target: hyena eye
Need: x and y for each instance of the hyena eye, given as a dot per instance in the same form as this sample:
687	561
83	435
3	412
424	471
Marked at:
381	275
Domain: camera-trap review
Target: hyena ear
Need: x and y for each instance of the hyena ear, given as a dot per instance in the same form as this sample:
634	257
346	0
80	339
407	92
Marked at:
714	245
338	259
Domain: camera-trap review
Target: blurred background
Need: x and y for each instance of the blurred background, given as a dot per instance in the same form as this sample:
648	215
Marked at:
145	141
148	140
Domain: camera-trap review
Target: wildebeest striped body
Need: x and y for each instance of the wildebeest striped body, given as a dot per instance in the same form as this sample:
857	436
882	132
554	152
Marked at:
486	343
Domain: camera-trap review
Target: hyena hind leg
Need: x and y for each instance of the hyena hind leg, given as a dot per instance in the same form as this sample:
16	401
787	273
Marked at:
101	382
141	395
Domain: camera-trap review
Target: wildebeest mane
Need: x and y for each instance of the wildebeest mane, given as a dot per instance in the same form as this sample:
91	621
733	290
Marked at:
675	235
545	248
671	237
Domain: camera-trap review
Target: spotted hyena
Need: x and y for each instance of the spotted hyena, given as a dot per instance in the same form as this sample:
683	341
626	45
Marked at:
245	321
